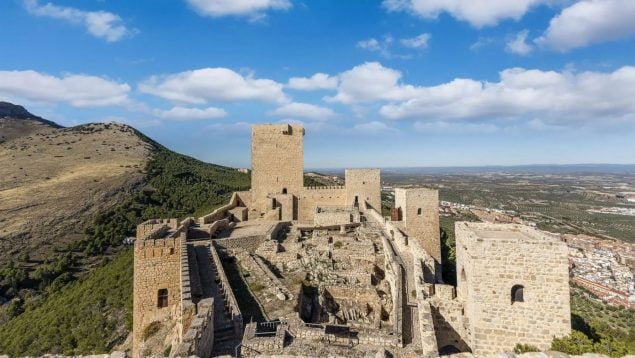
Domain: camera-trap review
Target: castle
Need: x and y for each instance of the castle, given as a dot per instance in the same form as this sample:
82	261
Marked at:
311	271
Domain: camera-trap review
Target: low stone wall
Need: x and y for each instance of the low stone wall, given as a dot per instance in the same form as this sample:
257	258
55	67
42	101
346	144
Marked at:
251	243
221	212
233	308
335	215
158	232
188	308
315	332
218	225
199	338
309	331
394	275
427	330
114	354
272	278
182	228
546	354
254	345
248	243
449	322
378	338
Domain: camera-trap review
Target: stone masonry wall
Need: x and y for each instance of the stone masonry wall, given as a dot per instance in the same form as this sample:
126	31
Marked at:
276	161
491	259
310	198
198	340
365	184
221	212
420	213
334	217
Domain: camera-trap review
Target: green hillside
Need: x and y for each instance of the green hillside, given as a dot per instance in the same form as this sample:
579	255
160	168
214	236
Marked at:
87	316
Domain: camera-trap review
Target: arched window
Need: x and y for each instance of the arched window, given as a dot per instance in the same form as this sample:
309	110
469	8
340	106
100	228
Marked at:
162	298
419	211
284	190
517	293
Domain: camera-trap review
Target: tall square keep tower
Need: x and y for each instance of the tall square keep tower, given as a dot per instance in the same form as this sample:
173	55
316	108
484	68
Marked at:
419	210
276	161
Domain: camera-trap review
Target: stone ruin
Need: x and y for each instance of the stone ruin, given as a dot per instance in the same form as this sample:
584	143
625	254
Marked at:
284	269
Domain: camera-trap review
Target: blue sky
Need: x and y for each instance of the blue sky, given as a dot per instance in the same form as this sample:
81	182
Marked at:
376	83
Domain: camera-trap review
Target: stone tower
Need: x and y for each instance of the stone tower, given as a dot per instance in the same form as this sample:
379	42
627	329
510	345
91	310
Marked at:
363	185
419	210
157	281
276	161
514	284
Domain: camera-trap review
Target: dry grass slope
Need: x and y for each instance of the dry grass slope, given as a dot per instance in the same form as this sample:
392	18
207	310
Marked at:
52	180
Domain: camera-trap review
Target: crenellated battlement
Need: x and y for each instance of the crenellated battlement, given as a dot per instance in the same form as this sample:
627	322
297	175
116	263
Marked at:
150	225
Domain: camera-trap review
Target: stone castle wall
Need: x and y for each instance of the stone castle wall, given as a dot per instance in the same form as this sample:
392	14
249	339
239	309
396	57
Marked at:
420	213
309	199
491	260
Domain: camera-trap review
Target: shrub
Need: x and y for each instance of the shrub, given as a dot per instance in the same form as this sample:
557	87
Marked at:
82	317
578	343
524	348
151	329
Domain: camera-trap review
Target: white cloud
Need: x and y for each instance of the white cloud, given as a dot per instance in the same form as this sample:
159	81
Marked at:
482	42
235	127
519	45
213	84
372	128
304	110
102	24
590	21
253	8
453	127
380	46
186	113
384	45
77	90
478	13
315	82
552	96
370	82
371	44
418	42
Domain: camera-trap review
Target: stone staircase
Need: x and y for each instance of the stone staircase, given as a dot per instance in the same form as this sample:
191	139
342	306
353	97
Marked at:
225	337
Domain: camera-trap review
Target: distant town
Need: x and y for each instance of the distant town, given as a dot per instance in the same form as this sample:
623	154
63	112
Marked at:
604	267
